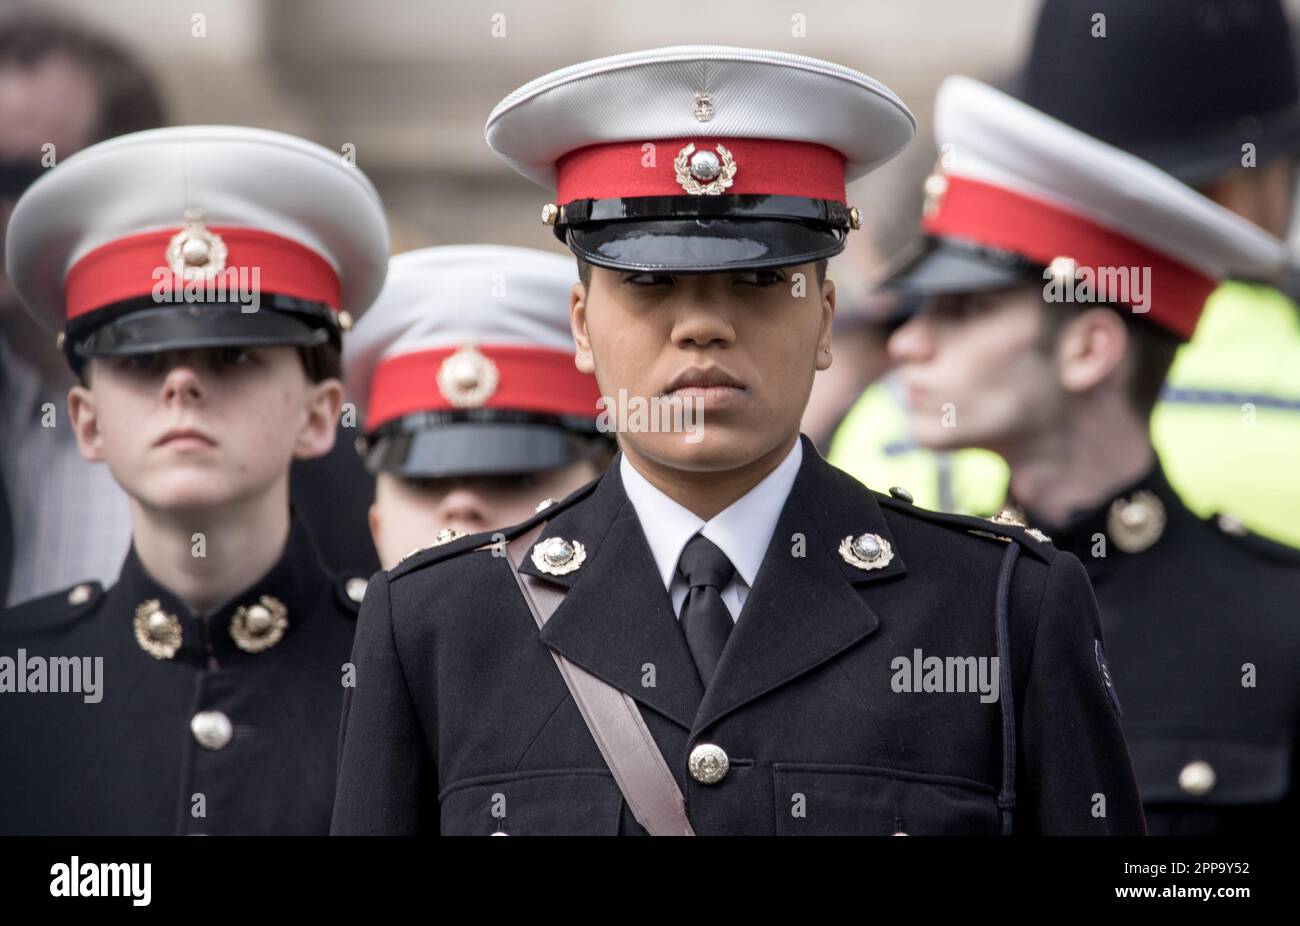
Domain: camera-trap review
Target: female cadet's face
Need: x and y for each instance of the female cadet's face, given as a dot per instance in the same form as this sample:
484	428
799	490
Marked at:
734	352
974	369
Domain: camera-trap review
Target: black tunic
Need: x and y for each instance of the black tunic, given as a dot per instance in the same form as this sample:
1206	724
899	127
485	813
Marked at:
131	763
1185	620
460	722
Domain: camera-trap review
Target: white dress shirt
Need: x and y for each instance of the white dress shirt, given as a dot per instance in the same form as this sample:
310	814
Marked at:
742	530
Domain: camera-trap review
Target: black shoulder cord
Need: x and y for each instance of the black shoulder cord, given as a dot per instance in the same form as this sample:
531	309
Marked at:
1007	795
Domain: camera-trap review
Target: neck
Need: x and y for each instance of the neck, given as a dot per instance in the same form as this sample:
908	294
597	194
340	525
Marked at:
1080	463
241	542
705	493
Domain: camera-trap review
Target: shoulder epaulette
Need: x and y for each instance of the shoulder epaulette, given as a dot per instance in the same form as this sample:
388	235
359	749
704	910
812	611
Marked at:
1232	528
1032	540
350	589
69	603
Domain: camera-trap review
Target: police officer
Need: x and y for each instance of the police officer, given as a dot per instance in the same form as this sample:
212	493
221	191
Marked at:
474	411
200	279
724	634
1062	275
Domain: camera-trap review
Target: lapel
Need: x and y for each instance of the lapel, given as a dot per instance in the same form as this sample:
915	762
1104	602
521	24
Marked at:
803	609
616	617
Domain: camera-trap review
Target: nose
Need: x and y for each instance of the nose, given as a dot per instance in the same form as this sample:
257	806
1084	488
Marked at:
702	319
182	384
463	508
913	341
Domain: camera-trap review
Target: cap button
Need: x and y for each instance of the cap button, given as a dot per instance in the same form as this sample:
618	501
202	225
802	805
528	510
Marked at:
80	594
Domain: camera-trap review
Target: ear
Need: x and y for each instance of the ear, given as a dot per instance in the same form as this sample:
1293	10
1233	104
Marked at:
1090	348
828	316
582	357
321	407
84	418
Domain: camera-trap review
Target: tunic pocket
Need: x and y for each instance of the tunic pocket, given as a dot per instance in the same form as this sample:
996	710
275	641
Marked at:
847	800
553	802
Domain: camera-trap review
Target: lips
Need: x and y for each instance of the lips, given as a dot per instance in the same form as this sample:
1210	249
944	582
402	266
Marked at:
186	436
703	380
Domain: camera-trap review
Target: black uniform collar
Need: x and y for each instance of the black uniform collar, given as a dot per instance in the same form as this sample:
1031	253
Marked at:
206	640
1157	506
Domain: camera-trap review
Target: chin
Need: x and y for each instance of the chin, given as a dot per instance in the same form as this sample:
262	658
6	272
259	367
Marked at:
189	491
718	448
940	439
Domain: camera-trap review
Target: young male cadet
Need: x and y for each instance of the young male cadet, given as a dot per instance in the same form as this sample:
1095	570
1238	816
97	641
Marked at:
804	655
200	279
1063	274
474	411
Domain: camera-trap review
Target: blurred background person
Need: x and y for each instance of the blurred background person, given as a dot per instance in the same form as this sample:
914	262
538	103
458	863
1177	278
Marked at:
475	415
1055	363
1208	92
858	334
62	87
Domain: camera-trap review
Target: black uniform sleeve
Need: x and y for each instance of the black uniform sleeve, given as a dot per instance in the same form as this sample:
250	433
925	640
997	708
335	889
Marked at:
387	780
1076	776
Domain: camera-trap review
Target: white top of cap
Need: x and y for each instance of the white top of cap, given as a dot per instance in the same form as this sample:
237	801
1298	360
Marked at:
650	94
448	296
995	138
235	175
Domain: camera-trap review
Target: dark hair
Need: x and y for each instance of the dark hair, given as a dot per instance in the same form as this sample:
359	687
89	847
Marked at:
321	361
1150	348
128	96
584	271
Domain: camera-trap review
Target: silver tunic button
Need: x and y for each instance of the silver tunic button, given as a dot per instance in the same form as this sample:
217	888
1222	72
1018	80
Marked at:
356	589
80	594
212	729
1197	778
708	764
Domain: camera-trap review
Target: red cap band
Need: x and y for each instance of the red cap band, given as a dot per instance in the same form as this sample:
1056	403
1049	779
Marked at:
132	267
530	379
997	217
620	170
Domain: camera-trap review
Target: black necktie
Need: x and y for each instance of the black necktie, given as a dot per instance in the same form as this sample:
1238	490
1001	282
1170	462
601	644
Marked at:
705	619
